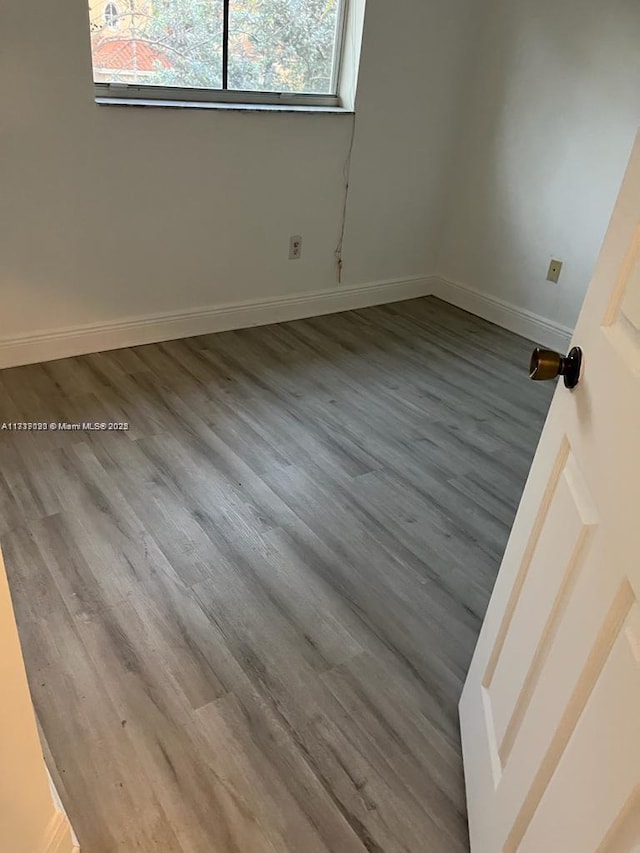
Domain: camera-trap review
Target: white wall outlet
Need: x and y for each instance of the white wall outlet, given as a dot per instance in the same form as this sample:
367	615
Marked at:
295	248
555	268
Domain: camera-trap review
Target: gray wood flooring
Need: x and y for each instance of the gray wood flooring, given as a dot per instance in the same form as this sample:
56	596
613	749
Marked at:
247	620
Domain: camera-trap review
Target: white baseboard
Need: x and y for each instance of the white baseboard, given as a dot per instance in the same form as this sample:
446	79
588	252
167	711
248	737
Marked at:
59	837
133	331
78	340
518	320
62	838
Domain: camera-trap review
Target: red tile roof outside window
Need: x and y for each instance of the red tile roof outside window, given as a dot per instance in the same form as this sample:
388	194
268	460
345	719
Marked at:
127	55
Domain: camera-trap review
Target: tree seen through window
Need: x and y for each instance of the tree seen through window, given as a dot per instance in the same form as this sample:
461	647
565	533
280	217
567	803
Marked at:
273	45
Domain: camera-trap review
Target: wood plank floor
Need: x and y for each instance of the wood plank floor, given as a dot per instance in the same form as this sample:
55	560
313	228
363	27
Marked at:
247	620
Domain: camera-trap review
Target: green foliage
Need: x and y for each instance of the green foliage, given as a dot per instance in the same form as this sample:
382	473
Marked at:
274	45
189	34
282	45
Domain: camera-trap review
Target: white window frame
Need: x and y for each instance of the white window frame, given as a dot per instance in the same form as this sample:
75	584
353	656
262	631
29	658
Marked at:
126	92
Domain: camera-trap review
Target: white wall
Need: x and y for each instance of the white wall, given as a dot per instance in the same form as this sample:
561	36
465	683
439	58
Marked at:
551	113
115	212
480	152
412	78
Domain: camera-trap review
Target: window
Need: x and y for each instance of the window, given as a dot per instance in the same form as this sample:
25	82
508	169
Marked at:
111	15
247	51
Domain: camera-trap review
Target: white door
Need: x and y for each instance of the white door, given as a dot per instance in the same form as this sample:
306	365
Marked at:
30	820
550	713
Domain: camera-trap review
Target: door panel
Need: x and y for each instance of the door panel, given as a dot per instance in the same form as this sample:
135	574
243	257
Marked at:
550	713
604	751
565	537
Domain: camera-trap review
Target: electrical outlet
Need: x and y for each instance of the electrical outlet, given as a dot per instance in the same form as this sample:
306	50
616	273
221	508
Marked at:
555	268
295	248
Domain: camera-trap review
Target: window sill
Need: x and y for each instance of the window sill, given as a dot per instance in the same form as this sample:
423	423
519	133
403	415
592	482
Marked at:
220	105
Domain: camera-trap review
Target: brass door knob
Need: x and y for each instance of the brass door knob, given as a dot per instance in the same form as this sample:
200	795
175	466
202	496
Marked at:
547	364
